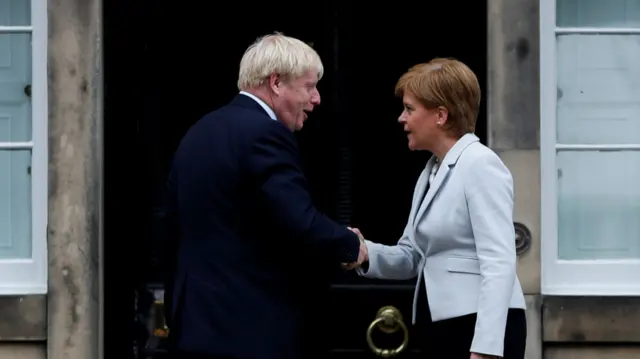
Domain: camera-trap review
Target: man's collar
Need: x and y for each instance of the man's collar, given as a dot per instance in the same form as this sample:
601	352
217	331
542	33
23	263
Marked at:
262	104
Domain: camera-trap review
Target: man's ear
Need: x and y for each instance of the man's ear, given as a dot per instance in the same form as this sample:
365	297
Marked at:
275	83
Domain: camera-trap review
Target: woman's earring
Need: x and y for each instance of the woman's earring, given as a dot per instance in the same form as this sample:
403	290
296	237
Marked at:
438	123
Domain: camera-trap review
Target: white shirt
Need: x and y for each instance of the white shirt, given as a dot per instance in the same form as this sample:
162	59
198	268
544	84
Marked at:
261	103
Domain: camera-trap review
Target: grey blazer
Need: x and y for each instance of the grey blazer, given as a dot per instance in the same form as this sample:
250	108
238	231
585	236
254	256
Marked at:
461	240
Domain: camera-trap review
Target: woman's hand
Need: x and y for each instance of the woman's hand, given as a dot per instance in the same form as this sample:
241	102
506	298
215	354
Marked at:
483	356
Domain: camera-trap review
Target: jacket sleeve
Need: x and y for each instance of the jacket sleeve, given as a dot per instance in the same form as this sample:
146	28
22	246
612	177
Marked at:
489	193
283	190
391	262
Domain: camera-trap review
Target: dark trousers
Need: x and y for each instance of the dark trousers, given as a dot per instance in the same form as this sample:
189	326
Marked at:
451	338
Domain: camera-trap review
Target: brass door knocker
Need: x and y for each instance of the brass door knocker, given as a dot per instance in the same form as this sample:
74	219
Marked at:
388	320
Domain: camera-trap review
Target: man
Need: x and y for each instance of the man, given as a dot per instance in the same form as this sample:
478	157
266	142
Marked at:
255	256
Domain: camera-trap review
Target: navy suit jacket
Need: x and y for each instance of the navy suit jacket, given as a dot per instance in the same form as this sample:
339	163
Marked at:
253	256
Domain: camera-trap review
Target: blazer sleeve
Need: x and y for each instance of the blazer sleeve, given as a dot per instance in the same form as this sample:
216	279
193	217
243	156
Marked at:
398	262
489	194
284	195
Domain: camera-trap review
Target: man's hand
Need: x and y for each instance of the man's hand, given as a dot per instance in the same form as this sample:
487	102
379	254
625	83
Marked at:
483	356
363	256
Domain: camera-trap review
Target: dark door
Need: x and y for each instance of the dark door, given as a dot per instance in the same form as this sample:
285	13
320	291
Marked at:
168	64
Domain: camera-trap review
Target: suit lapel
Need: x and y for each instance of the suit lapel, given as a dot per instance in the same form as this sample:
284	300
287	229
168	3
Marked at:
443	173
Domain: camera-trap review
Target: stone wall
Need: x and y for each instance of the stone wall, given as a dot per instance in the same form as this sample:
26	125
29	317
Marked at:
75	177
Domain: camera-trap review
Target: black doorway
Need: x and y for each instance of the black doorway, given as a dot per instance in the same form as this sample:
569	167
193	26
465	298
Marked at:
168	63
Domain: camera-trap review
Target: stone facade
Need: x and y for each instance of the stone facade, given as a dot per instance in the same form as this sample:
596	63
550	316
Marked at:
75	178
559	327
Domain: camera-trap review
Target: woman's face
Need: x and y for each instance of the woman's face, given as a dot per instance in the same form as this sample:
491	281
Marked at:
422	125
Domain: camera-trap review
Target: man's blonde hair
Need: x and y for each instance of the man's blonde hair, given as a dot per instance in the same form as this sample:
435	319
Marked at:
276	54
448	83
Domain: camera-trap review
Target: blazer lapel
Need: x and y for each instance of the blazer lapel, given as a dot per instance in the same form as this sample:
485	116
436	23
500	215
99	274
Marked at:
421	188
441	176
443	172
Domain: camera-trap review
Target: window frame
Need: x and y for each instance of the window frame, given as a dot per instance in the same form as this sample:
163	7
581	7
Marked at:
571	277
29	276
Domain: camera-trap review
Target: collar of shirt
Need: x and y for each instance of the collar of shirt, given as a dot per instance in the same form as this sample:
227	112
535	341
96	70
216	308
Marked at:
261	103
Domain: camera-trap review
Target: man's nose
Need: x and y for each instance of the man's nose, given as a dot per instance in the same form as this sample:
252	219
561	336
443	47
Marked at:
315	98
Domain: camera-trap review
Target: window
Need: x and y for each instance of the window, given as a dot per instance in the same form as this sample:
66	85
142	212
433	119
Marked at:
590	146
23	146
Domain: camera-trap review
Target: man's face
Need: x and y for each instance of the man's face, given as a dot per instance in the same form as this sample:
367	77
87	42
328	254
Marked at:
296	97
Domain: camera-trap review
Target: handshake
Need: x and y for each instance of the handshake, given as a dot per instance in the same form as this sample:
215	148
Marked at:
363	255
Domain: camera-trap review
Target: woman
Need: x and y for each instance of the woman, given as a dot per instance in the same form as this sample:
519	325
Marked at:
459	240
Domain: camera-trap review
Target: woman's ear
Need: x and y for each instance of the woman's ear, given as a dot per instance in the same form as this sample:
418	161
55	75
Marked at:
443	115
